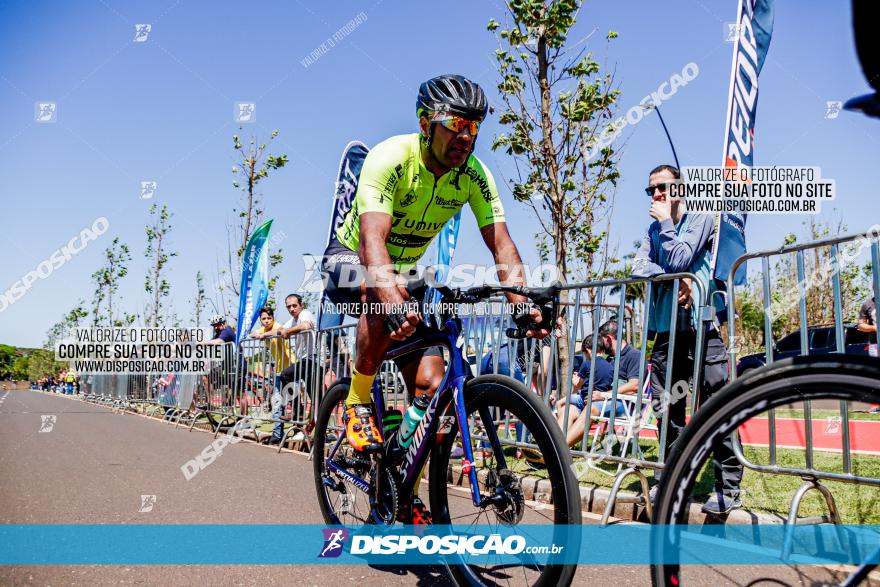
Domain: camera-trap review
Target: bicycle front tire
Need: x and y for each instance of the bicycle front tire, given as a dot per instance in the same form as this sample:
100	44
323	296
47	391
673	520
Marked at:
840	377
508	396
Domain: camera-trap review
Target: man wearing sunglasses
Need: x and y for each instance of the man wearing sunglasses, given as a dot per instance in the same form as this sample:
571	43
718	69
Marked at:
681	242
408	188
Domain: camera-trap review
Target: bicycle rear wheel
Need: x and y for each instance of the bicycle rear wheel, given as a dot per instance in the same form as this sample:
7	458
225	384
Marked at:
845	378
341	502
503	414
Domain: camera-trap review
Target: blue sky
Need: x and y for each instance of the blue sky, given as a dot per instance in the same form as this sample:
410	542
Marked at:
163	110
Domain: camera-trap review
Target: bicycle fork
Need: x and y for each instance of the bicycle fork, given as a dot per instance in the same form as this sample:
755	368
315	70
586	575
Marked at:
467	464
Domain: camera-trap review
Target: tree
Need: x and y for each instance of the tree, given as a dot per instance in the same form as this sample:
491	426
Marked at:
41	363
157	253
254	165
107	279
198	301
61	329
556	105
7	359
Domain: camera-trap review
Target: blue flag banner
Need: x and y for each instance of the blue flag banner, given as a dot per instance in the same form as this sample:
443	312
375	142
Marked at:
754	24
350	166
445	249
483	545
254	280
346	183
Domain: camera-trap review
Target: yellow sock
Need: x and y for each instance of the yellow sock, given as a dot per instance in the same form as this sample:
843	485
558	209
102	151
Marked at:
361	386
419	479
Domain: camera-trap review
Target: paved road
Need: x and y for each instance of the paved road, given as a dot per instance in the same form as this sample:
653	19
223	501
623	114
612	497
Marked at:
94	466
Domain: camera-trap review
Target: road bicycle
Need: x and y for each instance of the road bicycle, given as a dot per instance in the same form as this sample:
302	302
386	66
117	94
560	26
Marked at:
837	377
490	415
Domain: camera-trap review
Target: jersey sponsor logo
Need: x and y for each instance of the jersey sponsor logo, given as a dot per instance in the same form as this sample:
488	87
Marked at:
406	260
412	224
391	183
408	199
407	240
451	203
481	182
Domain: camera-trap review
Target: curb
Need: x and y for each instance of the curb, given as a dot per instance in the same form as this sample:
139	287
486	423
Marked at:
628	507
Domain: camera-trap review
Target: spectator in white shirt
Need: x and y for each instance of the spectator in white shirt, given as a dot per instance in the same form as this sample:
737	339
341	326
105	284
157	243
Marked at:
301	326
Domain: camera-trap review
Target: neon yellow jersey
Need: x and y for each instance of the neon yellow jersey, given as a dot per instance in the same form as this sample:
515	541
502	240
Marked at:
394	180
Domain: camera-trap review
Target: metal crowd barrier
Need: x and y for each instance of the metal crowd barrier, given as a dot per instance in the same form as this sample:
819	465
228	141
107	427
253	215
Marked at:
842	251
537	364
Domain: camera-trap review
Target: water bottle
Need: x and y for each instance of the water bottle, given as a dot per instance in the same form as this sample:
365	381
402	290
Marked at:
411	419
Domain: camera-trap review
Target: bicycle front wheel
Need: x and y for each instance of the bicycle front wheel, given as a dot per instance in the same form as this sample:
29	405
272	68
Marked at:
788	382
509	425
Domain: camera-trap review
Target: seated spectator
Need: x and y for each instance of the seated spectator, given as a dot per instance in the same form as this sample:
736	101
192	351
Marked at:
628	384
629	358
602	381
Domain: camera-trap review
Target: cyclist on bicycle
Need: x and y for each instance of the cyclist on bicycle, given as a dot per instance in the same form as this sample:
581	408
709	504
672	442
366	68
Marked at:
410	185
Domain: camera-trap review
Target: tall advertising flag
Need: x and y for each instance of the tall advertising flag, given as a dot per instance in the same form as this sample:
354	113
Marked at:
754	27
350	166
254	280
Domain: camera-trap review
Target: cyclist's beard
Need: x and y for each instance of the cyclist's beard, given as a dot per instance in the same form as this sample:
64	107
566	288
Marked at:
454	154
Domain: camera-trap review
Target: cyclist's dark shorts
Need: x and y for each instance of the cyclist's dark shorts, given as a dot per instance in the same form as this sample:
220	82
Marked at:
341	265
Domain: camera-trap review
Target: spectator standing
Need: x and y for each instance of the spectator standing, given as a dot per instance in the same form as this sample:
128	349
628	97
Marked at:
680	242
301	326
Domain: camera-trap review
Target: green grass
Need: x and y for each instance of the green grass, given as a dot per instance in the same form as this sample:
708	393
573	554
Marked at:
761	492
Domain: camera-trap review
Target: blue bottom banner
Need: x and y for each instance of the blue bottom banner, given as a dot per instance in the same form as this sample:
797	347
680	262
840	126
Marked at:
631	544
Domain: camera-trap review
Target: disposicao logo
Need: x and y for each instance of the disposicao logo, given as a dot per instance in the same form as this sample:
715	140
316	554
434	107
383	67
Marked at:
334	538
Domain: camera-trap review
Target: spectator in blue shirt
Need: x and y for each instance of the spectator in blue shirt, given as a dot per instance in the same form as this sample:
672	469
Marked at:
222	332
603	380
681	242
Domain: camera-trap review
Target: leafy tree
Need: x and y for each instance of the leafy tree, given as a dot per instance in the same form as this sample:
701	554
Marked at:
254	165
62	329
557	102
158	253
7	359
41	363
107	279
20	367
198	301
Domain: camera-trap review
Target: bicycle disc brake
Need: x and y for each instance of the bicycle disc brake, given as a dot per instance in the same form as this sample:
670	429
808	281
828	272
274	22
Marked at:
508	499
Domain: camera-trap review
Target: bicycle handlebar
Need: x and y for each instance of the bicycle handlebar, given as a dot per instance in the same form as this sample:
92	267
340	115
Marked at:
545	298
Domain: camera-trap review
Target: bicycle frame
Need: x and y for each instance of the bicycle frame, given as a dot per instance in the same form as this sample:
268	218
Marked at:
450	390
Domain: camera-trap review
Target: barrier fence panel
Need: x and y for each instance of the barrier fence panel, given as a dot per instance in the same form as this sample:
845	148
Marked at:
298	387
258	364
214	400
103	387
816	315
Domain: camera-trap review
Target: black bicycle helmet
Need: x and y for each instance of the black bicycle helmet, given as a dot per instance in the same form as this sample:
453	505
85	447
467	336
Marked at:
453	94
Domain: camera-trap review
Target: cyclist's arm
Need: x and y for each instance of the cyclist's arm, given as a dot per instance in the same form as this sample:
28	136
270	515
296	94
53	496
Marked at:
381	278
